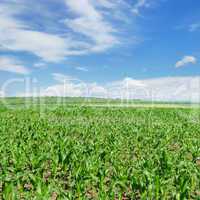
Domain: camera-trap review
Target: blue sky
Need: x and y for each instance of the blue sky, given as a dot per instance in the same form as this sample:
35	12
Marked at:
101	45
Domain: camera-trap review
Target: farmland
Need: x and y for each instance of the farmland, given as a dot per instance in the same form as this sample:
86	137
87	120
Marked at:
96	152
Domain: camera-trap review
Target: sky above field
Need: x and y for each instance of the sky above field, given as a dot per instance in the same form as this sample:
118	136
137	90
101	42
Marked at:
143	49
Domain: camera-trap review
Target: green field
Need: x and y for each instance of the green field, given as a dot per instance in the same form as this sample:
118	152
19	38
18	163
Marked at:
80	152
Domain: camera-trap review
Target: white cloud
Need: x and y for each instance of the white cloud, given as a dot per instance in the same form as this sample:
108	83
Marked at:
186	60
2	94
10	64
49	47
91	23
106	3
40	65
174	88
63	78
86	26
46	46
95	90
139	5
157	89
84	69
17	35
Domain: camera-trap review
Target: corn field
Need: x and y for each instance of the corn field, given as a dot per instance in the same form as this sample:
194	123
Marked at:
84	153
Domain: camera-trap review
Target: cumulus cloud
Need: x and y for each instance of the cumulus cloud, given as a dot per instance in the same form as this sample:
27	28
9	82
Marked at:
2	94
186	60
75	89
156	89
174	88
11	64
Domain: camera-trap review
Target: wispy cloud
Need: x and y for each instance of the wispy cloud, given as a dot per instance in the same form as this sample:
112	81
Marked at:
106	3
91	23
92	31
194	27
139	5
84	69
62	77
40	65
16	35
10	64
83	27
185	61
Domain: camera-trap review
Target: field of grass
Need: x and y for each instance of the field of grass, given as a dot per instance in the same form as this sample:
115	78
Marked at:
79	152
